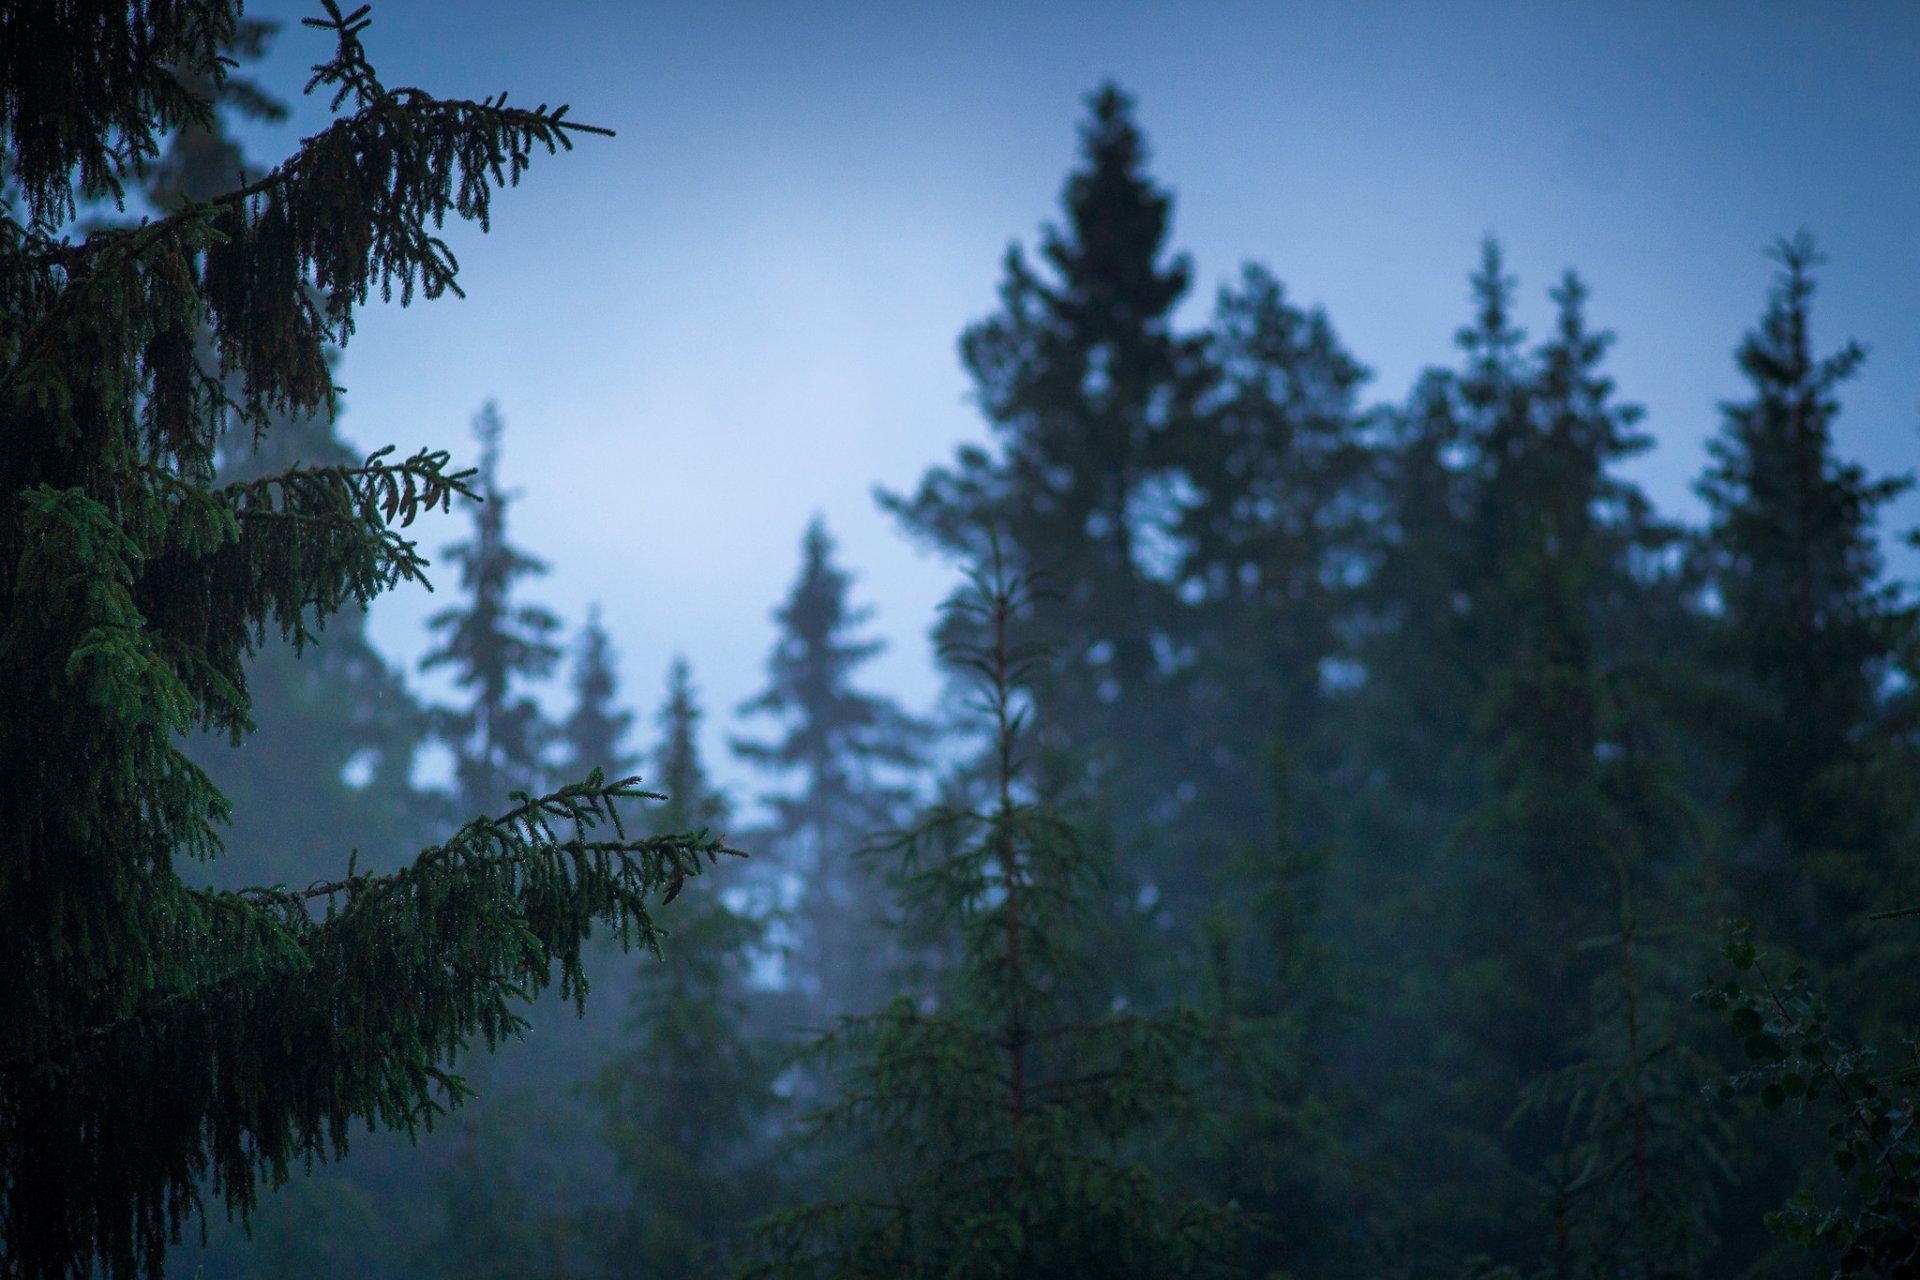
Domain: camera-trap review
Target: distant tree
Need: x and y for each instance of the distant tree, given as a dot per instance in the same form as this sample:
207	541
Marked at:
592	733
994	1117
844	749
160	1043
1089	390
686	1102
1276	534
1808	632
494	645
1511	716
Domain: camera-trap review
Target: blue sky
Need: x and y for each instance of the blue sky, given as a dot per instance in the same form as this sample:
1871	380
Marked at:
743	309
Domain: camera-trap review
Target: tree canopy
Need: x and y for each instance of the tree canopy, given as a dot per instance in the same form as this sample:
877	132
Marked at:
156	1038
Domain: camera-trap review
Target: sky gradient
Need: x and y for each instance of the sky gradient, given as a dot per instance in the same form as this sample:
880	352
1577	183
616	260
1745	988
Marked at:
743	309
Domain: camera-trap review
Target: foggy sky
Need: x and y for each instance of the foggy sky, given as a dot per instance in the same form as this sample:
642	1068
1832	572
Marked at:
743	309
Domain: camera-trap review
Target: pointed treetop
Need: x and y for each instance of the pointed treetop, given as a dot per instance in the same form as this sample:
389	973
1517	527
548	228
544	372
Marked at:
691	802
594	730
834	735
1117	226
1491	342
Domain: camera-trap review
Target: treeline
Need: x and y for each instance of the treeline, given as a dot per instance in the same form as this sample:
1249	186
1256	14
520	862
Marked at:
1338	810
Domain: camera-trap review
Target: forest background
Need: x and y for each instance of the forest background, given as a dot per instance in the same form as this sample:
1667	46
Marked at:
1419	753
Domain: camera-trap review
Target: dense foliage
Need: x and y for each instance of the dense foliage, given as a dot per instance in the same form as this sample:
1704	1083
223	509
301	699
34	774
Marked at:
1326	903
160	1041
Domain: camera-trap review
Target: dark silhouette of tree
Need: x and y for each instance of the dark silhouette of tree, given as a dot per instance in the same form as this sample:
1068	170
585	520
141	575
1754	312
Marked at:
495	646
1276	537
160	1042
1809	631
1089	391
844	748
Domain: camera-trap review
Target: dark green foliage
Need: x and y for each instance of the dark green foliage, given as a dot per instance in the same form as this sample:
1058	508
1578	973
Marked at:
1865	1221
1808	632
847	748
1641	1158
329	763
1270	1139
494	645
1520	760
157	1039
999	1120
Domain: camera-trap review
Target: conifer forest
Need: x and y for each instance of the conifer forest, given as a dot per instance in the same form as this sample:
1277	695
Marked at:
1349	832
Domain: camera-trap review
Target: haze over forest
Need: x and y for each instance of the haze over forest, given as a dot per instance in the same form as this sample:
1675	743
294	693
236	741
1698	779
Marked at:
1273	642
765	275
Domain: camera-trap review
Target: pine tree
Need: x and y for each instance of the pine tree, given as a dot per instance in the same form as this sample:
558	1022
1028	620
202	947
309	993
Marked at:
843	744
592	733
1089	389
160	1041
997	1115
686	1103
494	645
1810	632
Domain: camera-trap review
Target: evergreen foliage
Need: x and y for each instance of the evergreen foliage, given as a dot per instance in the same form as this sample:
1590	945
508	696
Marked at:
1090	392
329	763
494	645
1276	537
1810	633
155	1038
846	747
1866	1220
1000	1116
1270	1137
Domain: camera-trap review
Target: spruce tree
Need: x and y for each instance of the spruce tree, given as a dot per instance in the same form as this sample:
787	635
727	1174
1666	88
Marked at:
999	1115
495	645
1521	763
330	763
846	747
1809	632
592	733
1089	389
1276	536
159	1042
686	1102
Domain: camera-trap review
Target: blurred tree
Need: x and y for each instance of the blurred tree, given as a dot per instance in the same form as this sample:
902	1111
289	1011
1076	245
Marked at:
1508	663
846	747
592	733
996	1122
160	1042
1276	537
1271	1140
494	646
687	1101
1809	634
1089	391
